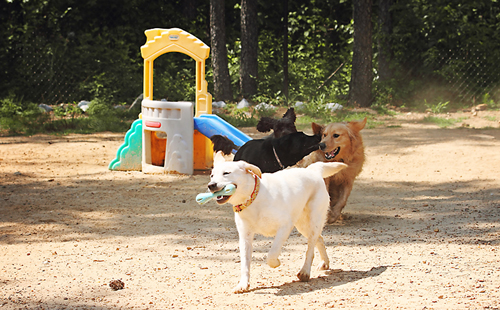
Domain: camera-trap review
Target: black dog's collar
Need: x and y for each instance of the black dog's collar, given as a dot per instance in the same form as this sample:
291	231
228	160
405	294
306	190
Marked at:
278	159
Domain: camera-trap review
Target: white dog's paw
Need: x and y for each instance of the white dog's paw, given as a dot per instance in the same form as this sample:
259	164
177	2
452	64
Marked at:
324	266
273	262
241	288
303	276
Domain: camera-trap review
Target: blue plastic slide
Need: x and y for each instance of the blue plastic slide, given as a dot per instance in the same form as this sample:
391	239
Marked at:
210	124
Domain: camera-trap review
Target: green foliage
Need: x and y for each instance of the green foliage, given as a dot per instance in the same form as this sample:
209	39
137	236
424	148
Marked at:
318	111
30	119
490	118
16	119
442	51
240	119
69	111
263	111
174	78
490	102
245	117
9	109
442	122
437	108
54	52
319	42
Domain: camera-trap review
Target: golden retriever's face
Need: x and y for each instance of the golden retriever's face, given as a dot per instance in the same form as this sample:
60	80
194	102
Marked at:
337	138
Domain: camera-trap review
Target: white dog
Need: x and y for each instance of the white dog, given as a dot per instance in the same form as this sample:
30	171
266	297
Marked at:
272	204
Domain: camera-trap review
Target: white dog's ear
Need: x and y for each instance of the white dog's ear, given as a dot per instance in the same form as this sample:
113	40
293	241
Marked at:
252	169
218	158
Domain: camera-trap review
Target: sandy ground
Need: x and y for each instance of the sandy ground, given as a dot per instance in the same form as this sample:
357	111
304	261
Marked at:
421	231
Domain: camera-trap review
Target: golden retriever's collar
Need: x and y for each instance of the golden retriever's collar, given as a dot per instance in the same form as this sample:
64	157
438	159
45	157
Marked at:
243	206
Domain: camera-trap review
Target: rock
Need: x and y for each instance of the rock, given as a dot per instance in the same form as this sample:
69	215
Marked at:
334	106
243	104
218	104
116	284
264	106
84	105
45	108
299	104
83	102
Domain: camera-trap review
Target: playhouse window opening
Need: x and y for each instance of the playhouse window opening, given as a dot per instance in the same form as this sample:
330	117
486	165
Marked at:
158	148
174	76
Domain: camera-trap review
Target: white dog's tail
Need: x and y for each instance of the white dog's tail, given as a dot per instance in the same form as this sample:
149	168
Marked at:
327	169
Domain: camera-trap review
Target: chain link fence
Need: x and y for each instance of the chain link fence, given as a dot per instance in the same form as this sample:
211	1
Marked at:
47	73
471	77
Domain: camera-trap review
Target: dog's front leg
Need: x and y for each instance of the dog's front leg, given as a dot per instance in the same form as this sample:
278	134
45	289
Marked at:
245	242
275	251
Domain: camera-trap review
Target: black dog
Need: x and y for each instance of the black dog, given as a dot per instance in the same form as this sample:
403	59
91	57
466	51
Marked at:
273	154
280	127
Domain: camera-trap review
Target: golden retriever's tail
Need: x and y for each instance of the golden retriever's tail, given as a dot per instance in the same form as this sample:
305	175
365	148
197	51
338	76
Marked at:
327	169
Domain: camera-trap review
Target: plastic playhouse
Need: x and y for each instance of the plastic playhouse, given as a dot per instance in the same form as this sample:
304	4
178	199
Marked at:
171	137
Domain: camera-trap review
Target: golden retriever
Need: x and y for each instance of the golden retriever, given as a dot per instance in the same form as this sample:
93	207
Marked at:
340	142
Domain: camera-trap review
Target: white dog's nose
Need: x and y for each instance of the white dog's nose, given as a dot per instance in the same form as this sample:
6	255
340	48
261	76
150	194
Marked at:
212	186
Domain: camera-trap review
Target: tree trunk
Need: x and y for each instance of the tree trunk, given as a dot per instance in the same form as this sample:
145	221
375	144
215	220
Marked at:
383	42
249	48
222	82
360	87
285	50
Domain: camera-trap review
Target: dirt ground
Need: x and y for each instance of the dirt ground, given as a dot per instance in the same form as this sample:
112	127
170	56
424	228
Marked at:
421	231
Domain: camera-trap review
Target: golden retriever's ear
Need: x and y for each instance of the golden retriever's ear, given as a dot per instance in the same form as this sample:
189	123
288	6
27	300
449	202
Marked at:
357	125
218	158
317	128
252	169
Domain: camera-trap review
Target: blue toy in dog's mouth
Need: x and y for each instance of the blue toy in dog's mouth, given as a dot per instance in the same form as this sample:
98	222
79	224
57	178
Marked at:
228	190
332	154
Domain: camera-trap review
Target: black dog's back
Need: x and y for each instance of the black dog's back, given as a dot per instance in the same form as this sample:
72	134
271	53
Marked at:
289	150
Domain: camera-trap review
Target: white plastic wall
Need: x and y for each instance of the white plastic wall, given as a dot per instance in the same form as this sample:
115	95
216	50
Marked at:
175	119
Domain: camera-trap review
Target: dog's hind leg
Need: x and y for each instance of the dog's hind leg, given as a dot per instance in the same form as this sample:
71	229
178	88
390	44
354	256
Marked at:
275	251
305	273
325	262
311	229
312	232
338	203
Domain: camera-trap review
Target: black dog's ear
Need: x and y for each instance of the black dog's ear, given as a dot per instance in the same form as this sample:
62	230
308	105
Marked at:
290	113
222	143
266	124
317	129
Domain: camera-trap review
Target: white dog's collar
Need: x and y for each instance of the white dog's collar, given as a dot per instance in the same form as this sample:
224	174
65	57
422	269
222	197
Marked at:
241	207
